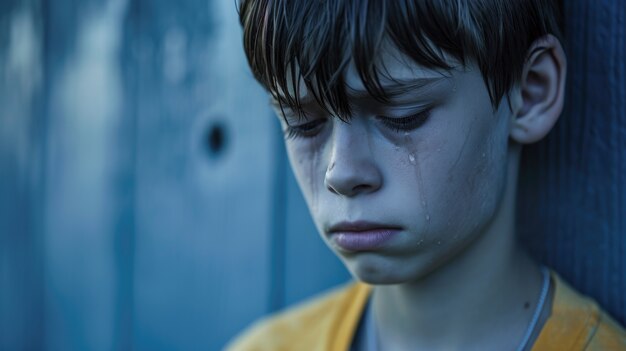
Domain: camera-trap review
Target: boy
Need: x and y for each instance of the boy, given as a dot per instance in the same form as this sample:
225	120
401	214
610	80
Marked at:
404	122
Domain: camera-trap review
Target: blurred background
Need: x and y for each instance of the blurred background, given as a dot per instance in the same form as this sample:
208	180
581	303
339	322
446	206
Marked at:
146	202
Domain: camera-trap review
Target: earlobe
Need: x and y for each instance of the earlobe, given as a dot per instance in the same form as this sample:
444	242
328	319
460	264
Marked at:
541	91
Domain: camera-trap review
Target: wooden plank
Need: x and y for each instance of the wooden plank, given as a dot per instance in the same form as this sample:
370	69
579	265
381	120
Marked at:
204	179
573	185
21	73
86	168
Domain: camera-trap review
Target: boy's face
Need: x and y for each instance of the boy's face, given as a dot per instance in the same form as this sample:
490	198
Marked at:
399	191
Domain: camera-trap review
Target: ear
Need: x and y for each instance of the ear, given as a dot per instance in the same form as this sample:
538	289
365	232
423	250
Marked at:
541	91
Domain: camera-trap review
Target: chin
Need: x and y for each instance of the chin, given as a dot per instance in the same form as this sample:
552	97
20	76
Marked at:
376	270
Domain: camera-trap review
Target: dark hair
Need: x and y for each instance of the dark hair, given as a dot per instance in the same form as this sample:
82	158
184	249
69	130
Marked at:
288	42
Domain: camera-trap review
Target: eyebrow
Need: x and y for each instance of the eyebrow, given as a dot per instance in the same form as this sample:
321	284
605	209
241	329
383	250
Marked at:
395	89
399	87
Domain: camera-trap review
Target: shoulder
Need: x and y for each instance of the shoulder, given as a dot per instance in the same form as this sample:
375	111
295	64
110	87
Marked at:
329	317
578	323
608	336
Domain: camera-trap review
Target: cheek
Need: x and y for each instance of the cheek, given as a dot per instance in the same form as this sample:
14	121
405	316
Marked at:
475	193
308	166
466	177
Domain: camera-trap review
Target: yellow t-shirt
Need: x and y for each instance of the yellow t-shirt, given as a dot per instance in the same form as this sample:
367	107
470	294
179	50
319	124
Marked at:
329	322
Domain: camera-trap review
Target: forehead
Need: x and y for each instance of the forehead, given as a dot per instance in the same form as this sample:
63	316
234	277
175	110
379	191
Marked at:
397	70
397	73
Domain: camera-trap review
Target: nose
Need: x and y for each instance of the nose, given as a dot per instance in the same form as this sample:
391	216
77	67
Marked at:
352	168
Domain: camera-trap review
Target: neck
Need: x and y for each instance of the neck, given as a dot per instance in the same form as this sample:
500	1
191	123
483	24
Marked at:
489	289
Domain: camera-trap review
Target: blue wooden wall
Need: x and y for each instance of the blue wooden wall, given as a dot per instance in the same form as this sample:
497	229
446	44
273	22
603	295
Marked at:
572	209
145	197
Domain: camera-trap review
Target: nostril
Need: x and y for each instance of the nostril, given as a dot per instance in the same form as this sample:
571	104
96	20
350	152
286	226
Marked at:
361	187
329	186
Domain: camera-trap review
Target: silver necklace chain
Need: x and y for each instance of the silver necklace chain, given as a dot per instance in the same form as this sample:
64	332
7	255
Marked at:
538	310
373	337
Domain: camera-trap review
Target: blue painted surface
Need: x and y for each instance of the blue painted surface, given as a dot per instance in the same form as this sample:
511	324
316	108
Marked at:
22	134
203	216
572	210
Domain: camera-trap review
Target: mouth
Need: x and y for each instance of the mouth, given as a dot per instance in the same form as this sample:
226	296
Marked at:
361	235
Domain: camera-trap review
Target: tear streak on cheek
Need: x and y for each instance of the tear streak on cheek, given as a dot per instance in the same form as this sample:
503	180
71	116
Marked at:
313	178
415	162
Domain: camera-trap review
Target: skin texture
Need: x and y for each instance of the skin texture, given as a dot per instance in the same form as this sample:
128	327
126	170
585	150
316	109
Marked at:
448	185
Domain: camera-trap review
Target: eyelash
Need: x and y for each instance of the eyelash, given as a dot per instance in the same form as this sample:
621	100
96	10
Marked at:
403	124
306	130
406	124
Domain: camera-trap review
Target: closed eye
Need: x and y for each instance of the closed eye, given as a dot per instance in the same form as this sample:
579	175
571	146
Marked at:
405	124
305	130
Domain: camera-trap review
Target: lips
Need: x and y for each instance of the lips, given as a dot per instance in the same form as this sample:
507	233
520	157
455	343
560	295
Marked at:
362	235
